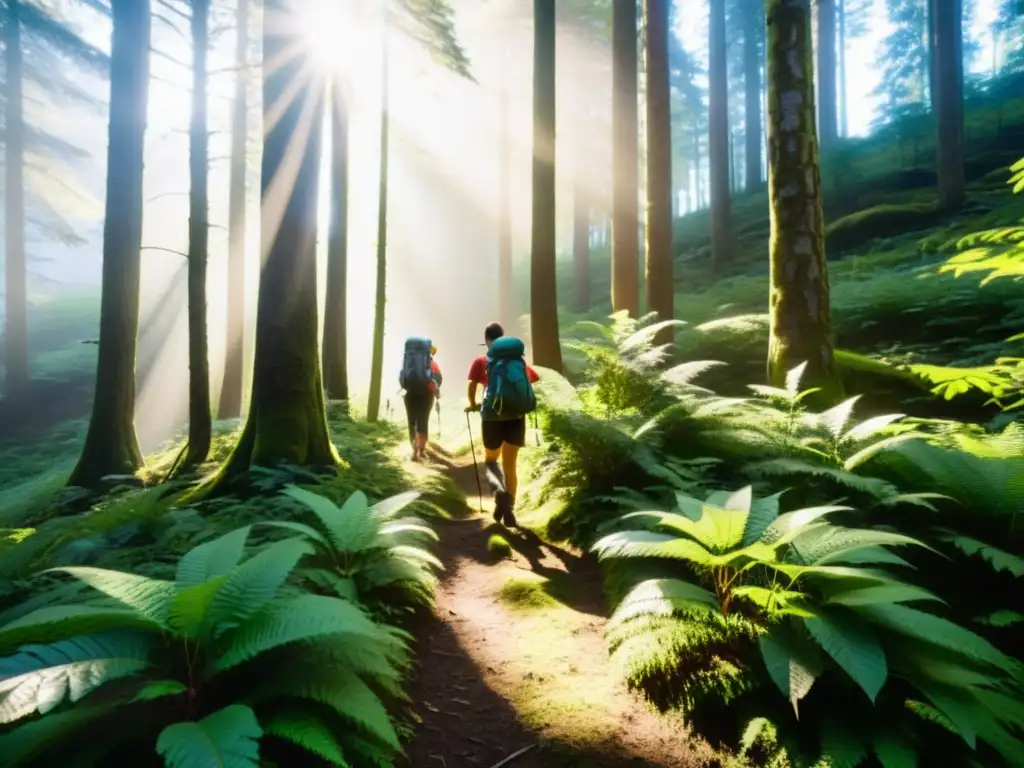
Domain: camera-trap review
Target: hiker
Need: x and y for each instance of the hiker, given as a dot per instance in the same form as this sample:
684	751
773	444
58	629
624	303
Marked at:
508	397
421	379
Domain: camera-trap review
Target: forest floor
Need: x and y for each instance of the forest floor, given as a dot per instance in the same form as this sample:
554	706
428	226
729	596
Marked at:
514	658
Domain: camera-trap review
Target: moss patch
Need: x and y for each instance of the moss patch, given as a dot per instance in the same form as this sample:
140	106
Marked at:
526	593
498	547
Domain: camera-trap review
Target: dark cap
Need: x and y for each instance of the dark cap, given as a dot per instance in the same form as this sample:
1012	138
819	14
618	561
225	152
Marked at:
493	331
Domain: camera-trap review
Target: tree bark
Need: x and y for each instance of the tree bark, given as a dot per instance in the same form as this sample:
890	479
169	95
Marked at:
230	406
16	271
200	423
380	300
547	350
754	19
111	445
335	345
287	422
660	282
800	328
828	110
625	163
949	100
718	138
506	287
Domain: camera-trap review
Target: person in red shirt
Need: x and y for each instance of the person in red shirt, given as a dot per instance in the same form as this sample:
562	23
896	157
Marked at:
418	407
501	438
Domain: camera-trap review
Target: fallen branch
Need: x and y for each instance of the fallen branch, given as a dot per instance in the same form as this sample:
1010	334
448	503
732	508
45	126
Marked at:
513	756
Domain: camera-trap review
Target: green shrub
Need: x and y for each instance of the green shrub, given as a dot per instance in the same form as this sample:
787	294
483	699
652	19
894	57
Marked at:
219	665
498	547
823	616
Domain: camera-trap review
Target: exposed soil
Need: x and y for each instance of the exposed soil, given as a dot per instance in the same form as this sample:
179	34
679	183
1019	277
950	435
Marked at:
497	677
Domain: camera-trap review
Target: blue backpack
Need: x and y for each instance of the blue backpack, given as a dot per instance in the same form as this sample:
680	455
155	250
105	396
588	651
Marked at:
509	394
415	376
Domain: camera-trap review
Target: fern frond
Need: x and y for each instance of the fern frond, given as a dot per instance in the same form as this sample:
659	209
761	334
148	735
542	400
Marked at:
150	598
40	677
307	731
58	622
212	558
302	618
28	744
663	597
228	738
999	559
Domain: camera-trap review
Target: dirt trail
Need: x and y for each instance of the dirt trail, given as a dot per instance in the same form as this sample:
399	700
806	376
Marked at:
498	676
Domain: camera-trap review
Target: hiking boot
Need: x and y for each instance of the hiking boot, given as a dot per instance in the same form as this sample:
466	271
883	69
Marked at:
503	508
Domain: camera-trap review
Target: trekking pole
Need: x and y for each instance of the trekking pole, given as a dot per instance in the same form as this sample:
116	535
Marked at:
476	467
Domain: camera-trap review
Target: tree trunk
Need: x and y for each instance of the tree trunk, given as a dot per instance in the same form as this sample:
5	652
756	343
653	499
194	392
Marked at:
949	100
506	287
660	282
826	69
16	275
380	300
200	426
111	445
547	350
754	19
287	422
799	301
335	346
844	117
625	216
230	406
581	237
718	138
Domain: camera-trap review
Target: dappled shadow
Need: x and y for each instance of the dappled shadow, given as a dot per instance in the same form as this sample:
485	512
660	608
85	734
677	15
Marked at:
464	721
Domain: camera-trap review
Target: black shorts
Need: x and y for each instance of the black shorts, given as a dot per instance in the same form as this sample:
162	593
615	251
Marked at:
512	432
417	410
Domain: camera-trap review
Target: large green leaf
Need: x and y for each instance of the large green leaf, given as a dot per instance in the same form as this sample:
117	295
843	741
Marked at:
253	584
212	558
792	662
308	531
351	528
853	646
40	677
879	593
664	597
190	609
763	512
151	598
386	509
650	544
999	559
57	622
790	525
306	617
229	738
308	731
835	545
936	630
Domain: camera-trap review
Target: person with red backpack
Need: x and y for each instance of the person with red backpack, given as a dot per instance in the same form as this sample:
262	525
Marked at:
508	397
421	379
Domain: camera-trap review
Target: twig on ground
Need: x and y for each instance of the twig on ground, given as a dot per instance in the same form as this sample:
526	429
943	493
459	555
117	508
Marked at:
513	756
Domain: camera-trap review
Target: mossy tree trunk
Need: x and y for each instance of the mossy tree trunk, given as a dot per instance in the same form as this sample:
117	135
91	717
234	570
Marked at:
200	426
16	272
111	445
335	346
625	118
800	328
286	422
948	99
753	29
660	282
718	138
230	406
828	110
547	350
506	287
380	299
